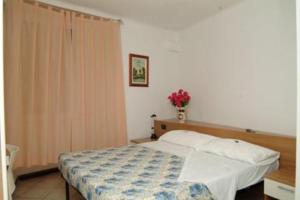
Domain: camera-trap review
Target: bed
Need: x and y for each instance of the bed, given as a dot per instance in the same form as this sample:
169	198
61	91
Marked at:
131	172
162	170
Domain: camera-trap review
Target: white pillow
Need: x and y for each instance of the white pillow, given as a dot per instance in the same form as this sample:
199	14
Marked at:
241	150
186	138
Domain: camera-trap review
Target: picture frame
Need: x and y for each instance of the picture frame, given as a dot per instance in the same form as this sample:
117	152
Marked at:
138	70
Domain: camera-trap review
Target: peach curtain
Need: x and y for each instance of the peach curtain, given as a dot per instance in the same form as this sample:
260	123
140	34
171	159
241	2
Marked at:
63	84
99	104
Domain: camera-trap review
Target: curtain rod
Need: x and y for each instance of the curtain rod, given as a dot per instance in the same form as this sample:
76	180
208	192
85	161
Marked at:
71	10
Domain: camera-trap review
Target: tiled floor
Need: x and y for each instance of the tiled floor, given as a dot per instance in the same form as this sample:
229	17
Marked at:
52	187
49	187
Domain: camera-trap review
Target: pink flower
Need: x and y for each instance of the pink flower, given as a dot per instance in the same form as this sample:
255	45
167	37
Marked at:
180	98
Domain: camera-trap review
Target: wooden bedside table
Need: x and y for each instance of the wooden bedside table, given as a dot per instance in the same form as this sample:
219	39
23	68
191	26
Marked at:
280	185
142	140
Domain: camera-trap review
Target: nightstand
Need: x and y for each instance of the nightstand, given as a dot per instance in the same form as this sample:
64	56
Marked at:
142	140
280	185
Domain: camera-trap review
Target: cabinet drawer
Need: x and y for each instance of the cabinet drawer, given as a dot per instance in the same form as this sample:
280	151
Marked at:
279	190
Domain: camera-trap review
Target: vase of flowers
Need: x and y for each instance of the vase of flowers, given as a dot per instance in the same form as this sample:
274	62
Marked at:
180	100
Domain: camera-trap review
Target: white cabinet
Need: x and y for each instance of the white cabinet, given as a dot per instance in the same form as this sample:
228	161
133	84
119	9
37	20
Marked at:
280	185
278	190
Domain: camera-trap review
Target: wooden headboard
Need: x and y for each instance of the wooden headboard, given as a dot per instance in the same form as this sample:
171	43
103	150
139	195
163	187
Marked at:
286	145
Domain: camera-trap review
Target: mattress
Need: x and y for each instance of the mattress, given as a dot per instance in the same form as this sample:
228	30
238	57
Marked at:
223	176
132	172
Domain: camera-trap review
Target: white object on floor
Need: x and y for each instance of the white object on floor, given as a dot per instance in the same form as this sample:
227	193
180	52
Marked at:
12	149
223	176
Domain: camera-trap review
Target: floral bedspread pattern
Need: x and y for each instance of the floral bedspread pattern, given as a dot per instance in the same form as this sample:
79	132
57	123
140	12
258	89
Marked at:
132	172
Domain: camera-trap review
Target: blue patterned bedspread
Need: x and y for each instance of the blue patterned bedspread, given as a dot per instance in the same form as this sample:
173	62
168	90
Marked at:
131	172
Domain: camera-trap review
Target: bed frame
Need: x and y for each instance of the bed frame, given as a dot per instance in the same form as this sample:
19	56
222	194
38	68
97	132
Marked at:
286	145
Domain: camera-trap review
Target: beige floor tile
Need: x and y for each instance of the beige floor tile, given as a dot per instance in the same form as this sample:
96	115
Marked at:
49	187
28	183
36	193
19	192
23	186
49	184
57	194
60	185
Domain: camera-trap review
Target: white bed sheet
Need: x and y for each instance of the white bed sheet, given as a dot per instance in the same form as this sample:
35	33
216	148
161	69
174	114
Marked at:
222	176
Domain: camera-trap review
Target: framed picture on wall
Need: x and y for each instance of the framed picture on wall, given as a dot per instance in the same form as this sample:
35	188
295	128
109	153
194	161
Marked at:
138	70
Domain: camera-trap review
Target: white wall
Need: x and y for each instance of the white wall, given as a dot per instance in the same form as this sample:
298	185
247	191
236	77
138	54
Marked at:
164	71
164	76
240	66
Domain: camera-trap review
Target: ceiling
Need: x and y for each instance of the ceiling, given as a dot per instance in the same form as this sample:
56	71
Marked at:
168	14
